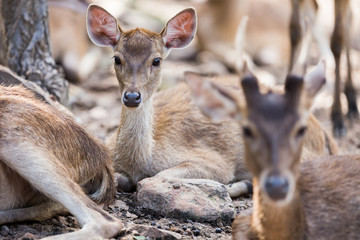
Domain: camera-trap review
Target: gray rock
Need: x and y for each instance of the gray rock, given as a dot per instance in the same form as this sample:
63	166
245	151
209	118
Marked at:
4	231
153	232
200	200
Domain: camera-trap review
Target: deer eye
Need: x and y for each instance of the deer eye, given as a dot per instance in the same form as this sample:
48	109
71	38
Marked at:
247	132
117	60
301	132
156	62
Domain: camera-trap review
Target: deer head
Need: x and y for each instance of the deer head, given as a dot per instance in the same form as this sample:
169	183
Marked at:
273	125
138	53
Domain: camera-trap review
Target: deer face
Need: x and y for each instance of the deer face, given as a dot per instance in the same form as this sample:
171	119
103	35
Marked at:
138	53
274	126
273	130
137	62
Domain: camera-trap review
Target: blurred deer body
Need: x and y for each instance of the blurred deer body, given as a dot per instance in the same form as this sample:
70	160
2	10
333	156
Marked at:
267	38
69	42
317	199
48	166
340	38
165	134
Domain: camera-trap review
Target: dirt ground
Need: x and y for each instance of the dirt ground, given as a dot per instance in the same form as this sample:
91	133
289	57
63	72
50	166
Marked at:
96	105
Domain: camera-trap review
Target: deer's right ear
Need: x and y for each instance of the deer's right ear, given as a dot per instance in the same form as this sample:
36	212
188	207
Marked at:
180	30
313	82
102	27
214	101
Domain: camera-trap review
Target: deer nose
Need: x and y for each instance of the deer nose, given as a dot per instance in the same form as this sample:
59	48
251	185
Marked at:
276	187
132	99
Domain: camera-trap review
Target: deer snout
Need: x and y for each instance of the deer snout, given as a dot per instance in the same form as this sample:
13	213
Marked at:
276	187
132	99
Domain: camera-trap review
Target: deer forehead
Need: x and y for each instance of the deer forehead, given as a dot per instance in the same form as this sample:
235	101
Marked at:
139	43
272	114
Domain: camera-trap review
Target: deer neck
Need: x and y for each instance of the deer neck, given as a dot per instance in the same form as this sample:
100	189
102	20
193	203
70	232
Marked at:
271	221
134	141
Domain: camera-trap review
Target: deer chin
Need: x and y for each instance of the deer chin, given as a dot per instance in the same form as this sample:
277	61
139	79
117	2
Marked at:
274	198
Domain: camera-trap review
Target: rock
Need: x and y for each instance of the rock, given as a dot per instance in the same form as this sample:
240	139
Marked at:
154	232
119	205
28	236
4	231
200	200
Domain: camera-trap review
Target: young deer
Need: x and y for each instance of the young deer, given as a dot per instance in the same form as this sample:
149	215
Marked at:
340	38
316	199
165	134
49	165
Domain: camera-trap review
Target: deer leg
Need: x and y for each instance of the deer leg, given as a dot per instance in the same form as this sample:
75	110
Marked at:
339	129
46	174
201	169
242	187
40	212
349	89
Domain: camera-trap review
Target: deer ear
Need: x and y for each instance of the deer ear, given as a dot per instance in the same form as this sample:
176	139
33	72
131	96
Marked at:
214	101
180	30
102	27
313	81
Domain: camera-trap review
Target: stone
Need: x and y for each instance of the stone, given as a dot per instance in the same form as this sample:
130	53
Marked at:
150	232
4	231
199	200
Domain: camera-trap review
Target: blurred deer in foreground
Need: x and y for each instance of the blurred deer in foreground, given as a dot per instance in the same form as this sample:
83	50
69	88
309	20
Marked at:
317	199
49	166
165	134
340	39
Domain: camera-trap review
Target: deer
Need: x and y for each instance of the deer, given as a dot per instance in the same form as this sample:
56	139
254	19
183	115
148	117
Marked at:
164	134
70	45
49	166
340	39
315	199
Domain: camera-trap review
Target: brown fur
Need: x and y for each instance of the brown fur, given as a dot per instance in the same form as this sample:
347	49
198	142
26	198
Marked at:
44	159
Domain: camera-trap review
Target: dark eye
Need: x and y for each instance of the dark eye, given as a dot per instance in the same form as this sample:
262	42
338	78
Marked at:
301	132
117	60
247	132
156	62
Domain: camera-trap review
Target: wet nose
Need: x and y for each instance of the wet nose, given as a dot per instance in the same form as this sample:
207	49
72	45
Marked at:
132	99
276	187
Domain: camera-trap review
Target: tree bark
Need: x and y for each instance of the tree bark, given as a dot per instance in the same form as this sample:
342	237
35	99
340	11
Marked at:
27	46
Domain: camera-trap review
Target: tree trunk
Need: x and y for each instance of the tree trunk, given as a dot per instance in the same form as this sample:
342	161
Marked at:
27	45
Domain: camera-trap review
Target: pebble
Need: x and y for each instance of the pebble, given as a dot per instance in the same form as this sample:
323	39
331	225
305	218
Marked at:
196	232
218	230
184	227
4	231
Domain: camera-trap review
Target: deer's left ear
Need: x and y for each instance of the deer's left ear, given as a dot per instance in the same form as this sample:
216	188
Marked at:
313	82
102	27
180	30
